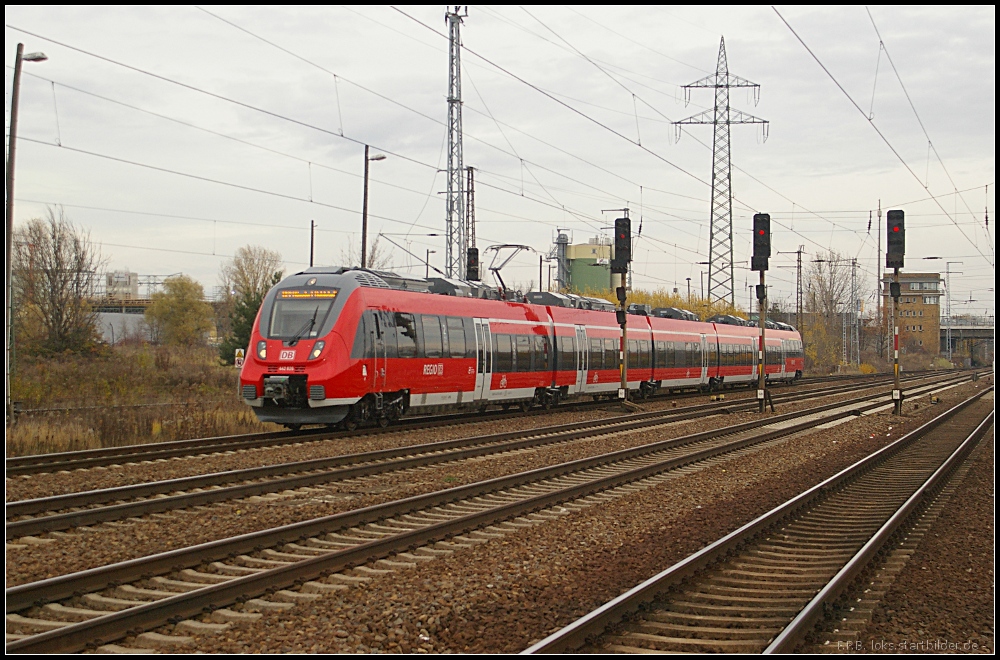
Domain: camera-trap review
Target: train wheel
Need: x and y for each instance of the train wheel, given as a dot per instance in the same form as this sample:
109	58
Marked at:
383	421
505	406
350	424
525	406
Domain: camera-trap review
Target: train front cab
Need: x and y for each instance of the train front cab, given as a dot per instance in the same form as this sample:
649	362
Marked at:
298	356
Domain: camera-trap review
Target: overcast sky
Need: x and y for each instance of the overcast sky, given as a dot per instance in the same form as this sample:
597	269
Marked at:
245	145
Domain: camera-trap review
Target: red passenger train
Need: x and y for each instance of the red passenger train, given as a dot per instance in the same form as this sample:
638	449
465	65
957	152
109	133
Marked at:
339	345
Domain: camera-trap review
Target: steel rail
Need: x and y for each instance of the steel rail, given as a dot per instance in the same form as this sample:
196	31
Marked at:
787	639
85	498
112	626
85	458
391	460
575	634
50	589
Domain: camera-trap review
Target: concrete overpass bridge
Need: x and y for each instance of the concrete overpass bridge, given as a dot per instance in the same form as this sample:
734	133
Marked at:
974	341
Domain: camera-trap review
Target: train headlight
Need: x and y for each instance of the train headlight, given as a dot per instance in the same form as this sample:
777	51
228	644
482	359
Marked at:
317	350
262	349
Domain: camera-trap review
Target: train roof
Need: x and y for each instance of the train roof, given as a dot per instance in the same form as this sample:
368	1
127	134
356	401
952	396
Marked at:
349	278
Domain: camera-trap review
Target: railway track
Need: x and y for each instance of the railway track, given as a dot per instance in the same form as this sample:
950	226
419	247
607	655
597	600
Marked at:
298	562
62	512
764	586
111	456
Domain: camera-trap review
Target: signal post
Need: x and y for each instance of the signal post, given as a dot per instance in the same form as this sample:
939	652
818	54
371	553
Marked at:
619	265
895	249
758	262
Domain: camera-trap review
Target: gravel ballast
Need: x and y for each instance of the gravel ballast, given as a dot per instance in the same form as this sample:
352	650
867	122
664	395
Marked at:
503	595
114	542
943	601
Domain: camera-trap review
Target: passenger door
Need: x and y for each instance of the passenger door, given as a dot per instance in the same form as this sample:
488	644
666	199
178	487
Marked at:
378	342
484	359
581	357
703	374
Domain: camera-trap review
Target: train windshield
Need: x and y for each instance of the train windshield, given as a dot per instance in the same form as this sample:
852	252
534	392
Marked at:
300	313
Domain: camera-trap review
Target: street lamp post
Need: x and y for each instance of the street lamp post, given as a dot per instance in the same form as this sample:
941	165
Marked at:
11	148
702	263
364	209
427	263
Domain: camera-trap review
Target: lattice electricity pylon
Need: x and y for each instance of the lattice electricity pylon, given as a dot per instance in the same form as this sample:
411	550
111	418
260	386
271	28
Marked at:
455	204
720	251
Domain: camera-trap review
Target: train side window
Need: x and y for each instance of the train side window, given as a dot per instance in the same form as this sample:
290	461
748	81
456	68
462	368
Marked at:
523	353
504	353
541	353
406	335
610	354
456	337
565	354
696	354
659	354
633	354
388	328
361	338
431	327
644	362
596	354
470	337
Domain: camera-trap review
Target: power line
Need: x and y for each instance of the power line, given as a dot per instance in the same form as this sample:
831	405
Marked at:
220	97
920	121
637	43
562	103
880	134
401	105
210	180
225	136
737	199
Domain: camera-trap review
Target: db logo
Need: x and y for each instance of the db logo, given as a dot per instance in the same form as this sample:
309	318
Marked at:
503	381
287	355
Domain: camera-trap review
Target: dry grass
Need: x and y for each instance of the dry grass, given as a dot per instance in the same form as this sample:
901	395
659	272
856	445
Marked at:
129	395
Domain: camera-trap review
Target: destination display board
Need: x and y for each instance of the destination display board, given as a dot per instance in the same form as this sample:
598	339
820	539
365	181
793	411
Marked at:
309	294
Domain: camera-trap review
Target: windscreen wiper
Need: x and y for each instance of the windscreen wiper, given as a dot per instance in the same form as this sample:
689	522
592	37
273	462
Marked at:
306	327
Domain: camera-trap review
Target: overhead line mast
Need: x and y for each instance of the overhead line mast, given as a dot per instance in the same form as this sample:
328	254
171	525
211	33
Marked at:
720	251
456	244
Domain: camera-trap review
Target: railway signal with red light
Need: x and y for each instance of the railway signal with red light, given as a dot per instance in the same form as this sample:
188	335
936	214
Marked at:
623	246
895	239
761	241
472	265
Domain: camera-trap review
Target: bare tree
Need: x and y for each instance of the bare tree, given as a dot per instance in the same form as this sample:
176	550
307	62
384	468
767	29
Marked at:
378	257
245	281
54	270
829	284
